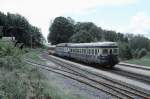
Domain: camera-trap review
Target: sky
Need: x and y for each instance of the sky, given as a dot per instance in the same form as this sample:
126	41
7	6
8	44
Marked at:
126	16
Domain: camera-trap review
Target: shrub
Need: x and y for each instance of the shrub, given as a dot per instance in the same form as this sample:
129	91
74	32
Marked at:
135	53
17	79
142	53
124	51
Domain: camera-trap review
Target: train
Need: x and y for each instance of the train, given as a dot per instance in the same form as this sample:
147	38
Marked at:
102	53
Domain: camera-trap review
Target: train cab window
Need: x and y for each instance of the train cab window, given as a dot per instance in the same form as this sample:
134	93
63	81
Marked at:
105	51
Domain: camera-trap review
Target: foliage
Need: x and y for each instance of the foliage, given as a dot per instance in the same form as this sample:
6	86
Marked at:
138	42
17	79
19	27
60	31
124	51
135	53
2	19
81	37
142	53
86	32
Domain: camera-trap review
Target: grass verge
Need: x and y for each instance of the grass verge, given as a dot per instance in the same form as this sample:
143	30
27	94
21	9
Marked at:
145	61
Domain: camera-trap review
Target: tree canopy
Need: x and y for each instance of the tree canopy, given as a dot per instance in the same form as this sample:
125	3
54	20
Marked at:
19	27
61	30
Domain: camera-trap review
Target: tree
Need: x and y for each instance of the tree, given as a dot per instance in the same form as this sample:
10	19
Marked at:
124	51
2	19
138	42
86	32
18	26
142	53
60	31
81	37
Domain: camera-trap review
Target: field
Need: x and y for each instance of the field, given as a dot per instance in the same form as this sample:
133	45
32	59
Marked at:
145	61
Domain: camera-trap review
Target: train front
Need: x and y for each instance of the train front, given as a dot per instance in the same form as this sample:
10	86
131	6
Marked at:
109	55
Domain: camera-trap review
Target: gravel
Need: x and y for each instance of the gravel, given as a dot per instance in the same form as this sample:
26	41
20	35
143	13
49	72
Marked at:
73	87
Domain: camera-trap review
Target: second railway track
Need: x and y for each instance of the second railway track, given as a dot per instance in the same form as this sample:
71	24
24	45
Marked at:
134	66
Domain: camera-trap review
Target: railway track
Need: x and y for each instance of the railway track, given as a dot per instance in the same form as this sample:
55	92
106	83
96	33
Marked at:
135	76
122	89
74	76
134	66
138	77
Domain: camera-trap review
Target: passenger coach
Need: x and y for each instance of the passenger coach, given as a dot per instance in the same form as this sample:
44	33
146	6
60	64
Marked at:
103	53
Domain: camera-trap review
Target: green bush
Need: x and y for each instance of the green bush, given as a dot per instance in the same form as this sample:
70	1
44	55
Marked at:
135	53
142	53
124	51
19	80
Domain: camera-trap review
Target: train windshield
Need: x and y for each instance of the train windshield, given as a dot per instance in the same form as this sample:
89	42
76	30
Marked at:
110	51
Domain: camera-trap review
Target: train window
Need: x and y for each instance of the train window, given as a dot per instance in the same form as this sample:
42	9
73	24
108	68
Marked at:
92	51
110	51
105	51
84	51
95	51
88	51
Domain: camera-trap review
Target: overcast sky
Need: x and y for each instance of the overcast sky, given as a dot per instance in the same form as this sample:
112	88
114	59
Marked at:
128	16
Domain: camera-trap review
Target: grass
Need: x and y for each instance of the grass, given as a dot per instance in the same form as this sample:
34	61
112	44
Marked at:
145	61
59	93
34	55
19	80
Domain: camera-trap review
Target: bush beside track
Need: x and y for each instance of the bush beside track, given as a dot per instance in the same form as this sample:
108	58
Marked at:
19	80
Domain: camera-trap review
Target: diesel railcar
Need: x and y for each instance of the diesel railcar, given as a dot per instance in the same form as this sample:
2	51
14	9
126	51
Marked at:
103	53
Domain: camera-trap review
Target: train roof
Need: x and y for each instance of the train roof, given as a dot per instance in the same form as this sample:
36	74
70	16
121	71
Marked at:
94	44
63	44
